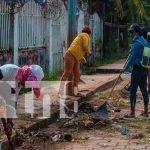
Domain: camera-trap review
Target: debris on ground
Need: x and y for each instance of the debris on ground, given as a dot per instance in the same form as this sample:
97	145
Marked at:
114	103
86	107
101	113
117	126
139	135
125	132
96	94
66	137
55	138
111	122
101	110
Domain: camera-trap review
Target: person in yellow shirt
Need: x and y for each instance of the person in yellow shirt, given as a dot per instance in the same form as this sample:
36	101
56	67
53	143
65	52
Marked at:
72	58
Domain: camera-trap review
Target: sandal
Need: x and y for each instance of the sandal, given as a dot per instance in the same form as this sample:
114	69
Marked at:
143	115
128	117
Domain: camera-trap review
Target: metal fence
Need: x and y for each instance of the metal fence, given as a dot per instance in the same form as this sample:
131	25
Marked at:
29	57
31	26
4	26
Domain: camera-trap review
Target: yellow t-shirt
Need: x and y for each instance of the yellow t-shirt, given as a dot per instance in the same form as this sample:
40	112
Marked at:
80	46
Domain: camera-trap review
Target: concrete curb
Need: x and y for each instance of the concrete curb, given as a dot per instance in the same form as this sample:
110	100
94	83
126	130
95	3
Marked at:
45	122
98	70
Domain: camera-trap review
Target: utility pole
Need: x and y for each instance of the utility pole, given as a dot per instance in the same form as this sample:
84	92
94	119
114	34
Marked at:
72	5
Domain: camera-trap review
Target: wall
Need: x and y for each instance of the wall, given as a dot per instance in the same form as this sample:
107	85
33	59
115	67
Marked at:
96	24
42	40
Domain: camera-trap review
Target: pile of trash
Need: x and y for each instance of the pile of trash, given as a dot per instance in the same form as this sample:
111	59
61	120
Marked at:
116	102
88	116
95	113
99	111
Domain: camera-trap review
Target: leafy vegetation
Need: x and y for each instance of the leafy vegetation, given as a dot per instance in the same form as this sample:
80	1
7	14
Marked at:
110	58
129	10
51	76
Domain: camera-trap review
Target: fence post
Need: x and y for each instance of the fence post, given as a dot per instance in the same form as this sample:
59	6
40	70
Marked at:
49	43
15	35
13	38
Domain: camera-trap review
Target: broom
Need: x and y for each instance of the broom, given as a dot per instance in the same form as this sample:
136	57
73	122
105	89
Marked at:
119	76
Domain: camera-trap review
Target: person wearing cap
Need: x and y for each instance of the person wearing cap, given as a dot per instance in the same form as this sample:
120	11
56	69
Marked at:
72	58
139	73
144	31
21	75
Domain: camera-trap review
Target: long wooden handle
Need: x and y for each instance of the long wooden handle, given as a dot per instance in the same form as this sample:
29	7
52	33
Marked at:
114	85
117	78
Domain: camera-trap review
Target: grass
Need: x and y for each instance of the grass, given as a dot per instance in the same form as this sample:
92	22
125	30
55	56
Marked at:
51	76
112	57
47	77
139	130
111	54
114	102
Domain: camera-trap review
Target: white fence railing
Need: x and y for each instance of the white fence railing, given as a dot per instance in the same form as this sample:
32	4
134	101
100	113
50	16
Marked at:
31	26
4	26
46	38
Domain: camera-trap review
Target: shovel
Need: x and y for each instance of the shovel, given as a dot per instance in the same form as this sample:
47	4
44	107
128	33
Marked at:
7	134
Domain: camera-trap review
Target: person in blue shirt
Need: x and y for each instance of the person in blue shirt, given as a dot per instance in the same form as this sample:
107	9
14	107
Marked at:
148	40
139	74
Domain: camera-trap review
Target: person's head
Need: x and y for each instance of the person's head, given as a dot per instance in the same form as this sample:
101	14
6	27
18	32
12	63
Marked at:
148	36
29	73
37	71
86	29
134	29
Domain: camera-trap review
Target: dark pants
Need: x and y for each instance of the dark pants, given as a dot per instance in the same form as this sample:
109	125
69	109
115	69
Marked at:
139	78
1	75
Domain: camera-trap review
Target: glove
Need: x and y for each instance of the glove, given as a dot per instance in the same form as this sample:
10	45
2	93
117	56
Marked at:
90	54
125	72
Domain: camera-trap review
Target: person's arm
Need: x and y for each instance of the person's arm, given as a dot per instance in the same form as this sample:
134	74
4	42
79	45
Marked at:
132	57
37	92
32	81
86	44
1	75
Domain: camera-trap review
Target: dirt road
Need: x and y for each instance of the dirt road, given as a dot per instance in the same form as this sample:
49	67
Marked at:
96	136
